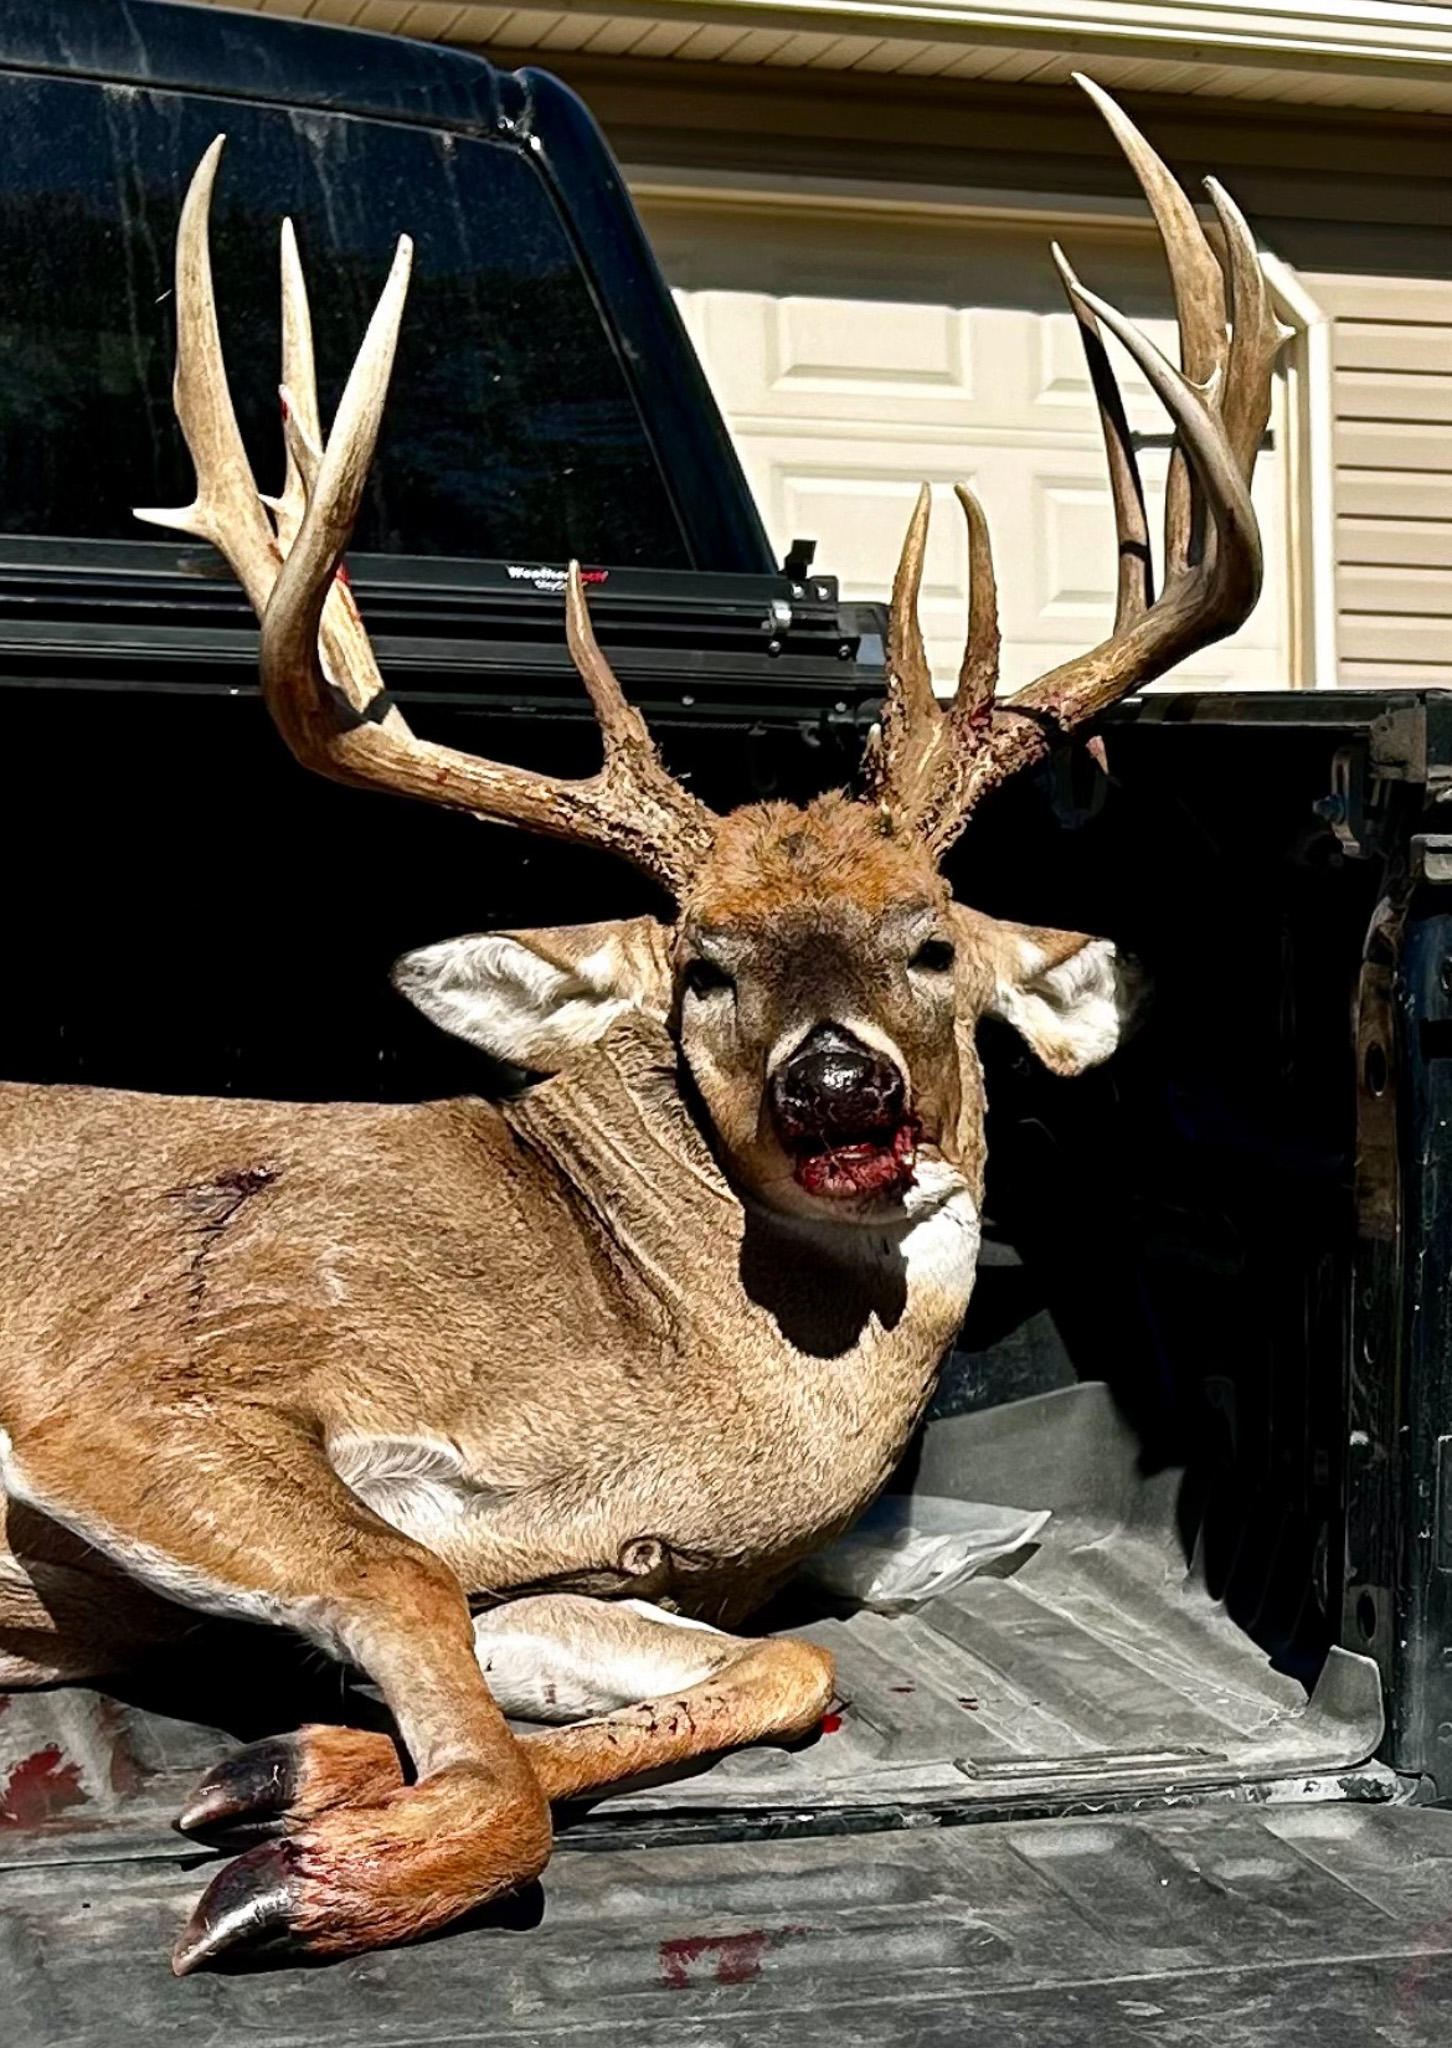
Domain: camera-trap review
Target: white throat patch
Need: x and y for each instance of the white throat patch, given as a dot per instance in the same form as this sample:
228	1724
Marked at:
936	1232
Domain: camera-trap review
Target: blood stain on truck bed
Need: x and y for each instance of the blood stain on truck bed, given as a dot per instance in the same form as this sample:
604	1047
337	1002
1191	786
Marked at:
38	1788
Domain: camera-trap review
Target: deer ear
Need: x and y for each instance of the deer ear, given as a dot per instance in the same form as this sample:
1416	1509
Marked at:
1069	996
534	998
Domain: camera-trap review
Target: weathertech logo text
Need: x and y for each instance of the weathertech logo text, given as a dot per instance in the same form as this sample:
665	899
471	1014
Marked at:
545	578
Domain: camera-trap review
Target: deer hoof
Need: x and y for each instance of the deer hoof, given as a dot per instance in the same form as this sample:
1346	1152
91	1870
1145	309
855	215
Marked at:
273	1786
250	1907
248	1795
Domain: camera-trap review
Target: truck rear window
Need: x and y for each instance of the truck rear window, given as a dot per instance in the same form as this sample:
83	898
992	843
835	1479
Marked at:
512	430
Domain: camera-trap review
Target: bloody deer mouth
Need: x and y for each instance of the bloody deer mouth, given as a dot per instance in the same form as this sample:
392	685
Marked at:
875	1165
841	1116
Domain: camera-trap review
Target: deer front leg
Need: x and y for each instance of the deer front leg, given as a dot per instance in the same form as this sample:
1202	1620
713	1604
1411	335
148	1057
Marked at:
703	1691
643	1688
243	1515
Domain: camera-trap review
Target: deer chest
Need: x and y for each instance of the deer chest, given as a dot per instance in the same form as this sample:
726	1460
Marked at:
759	1486
725	1465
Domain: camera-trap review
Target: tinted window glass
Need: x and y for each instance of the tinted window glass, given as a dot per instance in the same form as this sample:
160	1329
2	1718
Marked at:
511	429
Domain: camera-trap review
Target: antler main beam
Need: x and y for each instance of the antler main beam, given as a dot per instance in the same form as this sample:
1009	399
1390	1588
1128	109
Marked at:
319	677
931	764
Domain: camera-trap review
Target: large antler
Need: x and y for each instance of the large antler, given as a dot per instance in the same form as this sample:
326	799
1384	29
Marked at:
319	676
930	764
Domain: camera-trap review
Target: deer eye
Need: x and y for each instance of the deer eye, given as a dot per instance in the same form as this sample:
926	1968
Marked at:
934	956
704	977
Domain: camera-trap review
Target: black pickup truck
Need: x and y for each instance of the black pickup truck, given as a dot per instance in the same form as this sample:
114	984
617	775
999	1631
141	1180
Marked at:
1167	1775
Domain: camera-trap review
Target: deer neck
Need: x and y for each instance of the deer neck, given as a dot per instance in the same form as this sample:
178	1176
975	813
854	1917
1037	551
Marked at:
618	1132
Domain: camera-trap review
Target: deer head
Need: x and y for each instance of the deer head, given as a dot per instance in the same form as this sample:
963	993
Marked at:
821	984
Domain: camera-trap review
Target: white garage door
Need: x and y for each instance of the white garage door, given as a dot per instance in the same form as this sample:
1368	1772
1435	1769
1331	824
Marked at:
842	406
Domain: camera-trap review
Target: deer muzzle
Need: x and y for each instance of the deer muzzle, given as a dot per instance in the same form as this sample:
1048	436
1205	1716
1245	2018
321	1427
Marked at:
839	1109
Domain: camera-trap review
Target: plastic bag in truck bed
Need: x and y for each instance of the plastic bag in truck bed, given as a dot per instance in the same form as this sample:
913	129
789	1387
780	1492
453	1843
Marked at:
909	1548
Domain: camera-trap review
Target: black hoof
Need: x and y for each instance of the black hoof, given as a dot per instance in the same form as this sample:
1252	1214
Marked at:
248	1909
246	1798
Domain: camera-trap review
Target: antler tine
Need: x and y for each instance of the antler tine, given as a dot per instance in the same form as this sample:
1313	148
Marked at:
910	679
904	745
978	676
302	428
347	654
303	702
909	767
621	725
1219	403
1202	436
227	510
1256	336
1195	275
907	731
1135	585
1199	289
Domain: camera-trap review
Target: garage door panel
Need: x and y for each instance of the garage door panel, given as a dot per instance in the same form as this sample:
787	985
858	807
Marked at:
1074	560
1075	553
842	408
799	359
1052	521
858	517
886	353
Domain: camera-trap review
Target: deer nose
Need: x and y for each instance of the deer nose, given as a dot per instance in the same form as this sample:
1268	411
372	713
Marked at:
834	1087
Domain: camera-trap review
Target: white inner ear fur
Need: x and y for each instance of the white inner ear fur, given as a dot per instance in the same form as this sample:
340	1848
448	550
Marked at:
1072	1013
531	998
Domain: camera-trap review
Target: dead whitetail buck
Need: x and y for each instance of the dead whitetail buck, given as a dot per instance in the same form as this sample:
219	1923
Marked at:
438	1386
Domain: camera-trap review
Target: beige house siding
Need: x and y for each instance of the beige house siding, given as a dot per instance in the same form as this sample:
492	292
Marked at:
1328	55
1392	356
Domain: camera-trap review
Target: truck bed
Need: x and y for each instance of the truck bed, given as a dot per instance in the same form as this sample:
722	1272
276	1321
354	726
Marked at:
1087	1693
